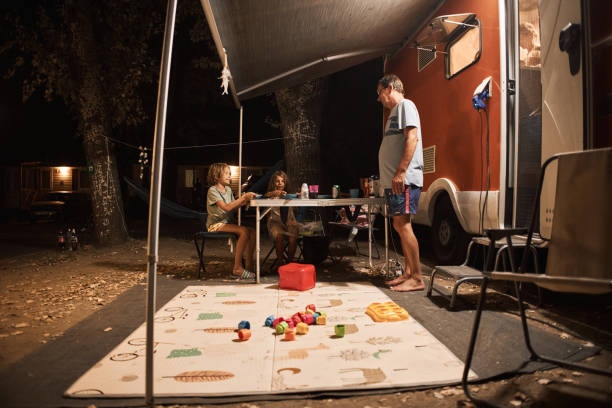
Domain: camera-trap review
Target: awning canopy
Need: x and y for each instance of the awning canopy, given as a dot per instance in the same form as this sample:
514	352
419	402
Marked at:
273	44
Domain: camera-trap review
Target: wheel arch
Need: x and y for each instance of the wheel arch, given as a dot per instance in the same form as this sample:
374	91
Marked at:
438	189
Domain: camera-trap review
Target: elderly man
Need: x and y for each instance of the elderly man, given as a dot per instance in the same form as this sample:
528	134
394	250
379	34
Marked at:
400	161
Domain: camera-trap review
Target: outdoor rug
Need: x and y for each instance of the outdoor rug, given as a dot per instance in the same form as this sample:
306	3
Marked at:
198	352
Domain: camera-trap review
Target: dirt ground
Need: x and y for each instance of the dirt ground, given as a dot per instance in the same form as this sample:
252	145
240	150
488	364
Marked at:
45	291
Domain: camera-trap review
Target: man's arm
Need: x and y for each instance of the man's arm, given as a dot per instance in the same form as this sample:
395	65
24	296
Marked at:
412	138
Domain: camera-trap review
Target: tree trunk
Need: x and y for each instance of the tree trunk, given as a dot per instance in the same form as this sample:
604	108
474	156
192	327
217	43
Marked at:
95	126
301	109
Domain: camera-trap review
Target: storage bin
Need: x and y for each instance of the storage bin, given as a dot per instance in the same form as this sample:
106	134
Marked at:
295	276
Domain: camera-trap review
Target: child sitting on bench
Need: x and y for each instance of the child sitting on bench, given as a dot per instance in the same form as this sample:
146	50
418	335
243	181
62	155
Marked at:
220	205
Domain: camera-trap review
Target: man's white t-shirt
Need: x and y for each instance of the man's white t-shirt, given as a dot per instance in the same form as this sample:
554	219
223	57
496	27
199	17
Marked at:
403	115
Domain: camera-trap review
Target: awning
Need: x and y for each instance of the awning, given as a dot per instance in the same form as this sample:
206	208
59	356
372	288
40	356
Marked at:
273	44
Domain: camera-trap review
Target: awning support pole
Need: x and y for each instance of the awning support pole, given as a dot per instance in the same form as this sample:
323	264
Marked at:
155	198
240	168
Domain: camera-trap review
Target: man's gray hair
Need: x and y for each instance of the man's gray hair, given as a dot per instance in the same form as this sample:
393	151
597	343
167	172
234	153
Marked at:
392	79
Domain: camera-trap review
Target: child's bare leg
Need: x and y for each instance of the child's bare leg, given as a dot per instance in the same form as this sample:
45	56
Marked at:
250	248
278	245
291	248
243	237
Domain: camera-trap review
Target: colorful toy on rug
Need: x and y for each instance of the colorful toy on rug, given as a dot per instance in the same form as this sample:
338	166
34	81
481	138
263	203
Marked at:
276	321
295	276
387	312
297	324
290	334
281	327
244	324
302	328
244	334
339	329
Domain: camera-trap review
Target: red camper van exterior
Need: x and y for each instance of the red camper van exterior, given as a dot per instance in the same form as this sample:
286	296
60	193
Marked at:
454	133
542	103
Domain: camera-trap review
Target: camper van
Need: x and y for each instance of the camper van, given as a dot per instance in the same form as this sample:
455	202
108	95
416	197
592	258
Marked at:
500	87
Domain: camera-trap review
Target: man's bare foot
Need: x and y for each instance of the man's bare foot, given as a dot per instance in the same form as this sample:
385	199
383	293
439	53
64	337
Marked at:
397	280
409	285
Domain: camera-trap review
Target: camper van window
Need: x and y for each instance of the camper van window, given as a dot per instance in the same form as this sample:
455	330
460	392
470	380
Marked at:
464	49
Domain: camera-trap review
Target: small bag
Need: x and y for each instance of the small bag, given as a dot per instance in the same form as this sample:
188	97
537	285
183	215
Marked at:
295	276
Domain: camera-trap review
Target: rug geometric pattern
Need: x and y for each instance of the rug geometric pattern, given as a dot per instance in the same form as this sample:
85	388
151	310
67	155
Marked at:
198	353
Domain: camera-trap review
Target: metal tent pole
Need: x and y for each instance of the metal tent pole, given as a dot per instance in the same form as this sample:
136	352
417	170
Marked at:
240	168
155	198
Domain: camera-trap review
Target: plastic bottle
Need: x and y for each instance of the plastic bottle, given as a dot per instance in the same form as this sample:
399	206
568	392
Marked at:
376	186
304	191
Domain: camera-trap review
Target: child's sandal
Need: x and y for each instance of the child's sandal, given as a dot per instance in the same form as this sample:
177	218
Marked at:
246	275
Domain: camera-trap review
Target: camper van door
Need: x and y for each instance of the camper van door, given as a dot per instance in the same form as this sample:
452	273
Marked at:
562	95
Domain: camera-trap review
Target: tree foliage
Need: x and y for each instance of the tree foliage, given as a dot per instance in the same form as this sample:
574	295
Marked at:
102	59
127	36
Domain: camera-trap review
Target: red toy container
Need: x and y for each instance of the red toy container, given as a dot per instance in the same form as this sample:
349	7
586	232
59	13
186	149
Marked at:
295	276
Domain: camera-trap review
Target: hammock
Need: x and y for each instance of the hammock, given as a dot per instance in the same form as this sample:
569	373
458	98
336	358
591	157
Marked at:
167	207
175	210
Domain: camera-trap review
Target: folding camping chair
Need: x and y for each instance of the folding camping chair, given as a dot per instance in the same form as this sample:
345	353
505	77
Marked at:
579	256
467	272
351	224
199	239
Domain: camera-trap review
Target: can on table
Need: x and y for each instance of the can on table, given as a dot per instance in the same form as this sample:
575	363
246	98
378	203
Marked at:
335	191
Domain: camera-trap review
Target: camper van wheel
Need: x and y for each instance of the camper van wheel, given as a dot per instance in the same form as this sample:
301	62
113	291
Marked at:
449	239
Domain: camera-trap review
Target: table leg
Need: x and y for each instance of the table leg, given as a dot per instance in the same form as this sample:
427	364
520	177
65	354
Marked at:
370	234
257	242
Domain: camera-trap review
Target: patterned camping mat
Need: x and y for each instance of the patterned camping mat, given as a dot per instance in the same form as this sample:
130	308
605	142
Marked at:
198	352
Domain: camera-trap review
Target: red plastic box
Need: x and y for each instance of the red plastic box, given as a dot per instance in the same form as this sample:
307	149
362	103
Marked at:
295	276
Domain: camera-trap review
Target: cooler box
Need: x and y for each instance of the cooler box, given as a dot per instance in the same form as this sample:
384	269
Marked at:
297	276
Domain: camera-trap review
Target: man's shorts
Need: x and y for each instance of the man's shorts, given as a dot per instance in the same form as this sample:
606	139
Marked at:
405	203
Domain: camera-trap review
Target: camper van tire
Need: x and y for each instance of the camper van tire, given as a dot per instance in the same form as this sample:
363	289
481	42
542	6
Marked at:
449	240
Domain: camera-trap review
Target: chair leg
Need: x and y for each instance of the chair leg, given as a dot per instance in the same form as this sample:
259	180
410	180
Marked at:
470	352
456	288
536	268
431	279
538	357
200	252
268	255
